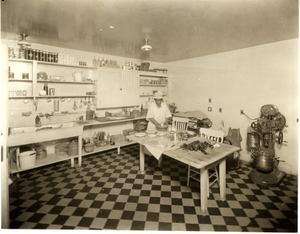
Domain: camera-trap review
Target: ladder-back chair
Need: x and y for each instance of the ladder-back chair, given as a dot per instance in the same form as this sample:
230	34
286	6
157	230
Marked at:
213	177
181	124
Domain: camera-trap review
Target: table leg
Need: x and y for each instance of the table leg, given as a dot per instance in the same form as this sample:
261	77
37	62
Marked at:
142	159
222	178
79	150
72	162
203	190
160	161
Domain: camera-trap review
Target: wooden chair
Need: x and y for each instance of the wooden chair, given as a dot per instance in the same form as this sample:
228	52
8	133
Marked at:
181	124
213	176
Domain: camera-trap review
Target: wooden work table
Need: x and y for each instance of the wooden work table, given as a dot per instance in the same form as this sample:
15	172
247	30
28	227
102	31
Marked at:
198	160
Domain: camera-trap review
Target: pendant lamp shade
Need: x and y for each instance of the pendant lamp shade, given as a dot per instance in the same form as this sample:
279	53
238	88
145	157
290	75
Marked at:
146	47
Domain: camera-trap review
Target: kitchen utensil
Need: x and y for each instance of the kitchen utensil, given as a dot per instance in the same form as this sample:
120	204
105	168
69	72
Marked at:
75	106
77	76
56	105
85	101
35	103
80	105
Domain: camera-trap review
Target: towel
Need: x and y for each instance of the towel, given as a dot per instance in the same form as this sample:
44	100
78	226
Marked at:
157	146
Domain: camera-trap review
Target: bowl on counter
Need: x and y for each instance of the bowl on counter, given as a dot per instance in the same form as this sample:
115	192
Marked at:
162	128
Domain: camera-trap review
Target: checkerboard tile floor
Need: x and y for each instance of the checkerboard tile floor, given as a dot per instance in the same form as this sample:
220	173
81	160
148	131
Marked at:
108	193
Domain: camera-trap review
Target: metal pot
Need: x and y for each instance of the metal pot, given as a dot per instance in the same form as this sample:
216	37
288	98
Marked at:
263	161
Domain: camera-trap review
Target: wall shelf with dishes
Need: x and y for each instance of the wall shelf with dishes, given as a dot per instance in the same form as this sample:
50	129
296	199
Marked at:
26	76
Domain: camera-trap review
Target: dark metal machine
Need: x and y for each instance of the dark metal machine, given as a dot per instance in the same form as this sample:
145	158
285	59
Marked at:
261	138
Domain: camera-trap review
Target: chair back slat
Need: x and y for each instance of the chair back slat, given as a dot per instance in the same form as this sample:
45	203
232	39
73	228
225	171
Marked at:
211	134
181	124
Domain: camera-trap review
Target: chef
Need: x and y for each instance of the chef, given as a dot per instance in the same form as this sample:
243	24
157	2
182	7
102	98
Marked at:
158	112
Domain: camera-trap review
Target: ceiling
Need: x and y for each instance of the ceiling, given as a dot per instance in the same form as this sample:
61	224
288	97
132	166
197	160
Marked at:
177	29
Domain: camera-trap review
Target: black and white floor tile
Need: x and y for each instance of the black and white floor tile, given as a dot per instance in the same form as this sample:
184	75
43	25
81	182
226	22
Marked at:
108	193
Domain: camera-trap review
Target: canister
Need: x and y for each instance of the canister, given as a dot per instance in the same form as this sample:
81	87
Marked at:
73	148
46	58
41	57
30	54
56	57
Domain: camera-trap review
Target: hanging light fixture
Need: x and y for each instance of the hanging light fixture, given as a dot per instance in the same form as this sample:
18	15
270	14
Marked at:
146	47
23	43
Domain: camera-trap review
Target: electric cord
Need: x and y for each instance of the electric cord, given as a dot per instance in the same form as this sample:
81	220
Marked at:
249	117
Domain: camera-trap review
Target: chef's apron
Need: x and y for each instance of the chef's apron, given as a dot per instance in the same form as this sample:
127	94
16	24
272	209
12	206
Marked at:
159	114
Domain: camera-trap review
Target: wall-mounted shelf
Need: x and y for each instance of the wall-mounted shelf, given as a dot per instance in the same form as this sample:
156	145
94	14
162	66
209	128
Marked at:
65	96
153	85
150	95
56	96
19	80
21	97
46	63
66	82
153	75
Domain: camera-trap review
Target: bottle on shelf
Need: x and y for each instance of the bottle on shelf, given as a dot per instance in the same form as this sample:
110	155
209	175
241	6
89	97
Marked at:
103	62
94	138
112	140
98	62
108	137
46	88
94	62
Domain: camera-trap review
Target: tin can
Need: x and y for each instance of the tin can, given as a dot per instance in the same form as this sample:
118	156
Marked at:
11	53
52	91
37	55
30	54
25	76
41	55
56	57
46	56
49	57
26	53
33	54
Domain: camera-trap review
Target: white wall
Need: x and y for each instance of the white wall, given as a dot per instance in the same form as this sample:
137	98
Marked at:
243	79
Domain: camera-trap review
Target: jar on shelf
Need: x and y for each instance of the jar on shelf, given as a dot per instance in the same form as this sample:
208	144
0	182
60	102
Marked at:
37	55
73	148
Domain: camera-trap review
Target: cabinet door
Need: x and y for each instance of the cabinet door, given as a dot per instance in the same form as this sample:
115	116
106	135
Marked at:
108	89
130	89
117	89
